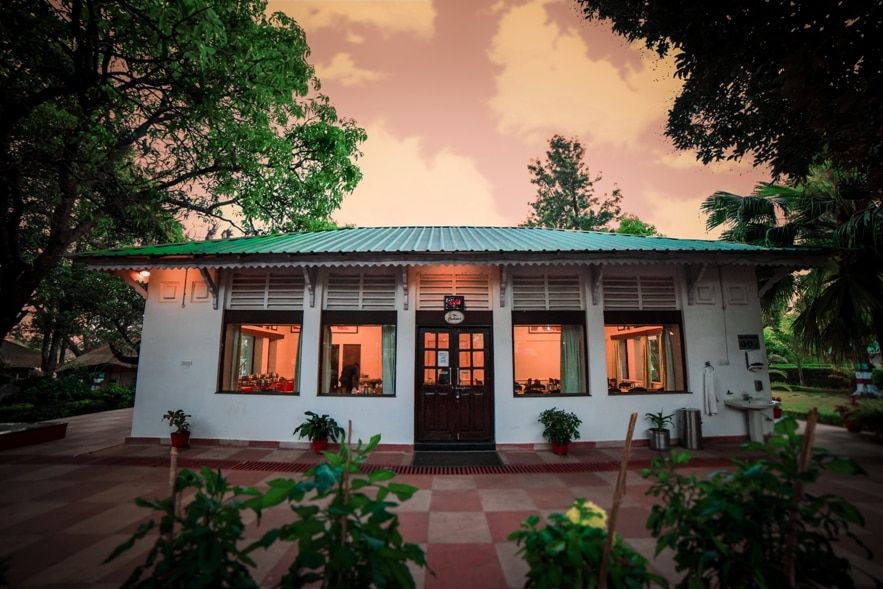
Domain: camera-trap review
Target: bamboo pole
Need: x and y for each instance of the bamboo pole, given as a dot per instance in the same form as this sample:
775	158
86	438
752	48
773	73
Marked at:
809	434
345	481
617	499
173	477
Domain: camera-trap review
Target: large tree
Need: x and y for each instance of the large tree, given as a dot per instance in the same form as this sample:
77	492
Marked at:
566	196
119	115
790	83
840	306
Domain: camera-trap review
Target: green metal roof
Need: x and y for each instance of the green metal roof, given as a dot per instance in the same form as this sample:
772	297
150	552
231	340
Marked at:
431	240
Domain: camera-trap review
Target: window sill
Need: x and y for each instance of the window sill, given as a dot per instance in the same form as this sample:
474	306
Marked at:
546	395
642	393
261	393
357	395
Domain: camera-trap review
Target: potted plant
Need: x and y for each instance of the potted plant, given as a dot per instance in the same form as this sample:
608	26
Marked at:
849	415
319	429
178	420
660	437
777	407
559	428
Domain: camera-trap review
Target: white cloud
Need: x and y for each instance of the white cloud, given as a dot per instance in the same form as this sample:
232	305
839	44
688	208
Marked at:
402	186
547	82
676	216
390	16
343	69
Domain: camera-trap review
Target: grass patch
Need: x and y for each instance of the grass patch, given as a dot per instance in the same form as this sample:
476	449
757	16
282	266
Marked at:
801	401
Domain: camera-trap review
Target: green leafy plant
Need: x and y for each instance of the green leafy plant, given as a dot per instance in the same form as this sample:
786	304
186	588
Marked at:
200	548
559	426
732	529
319	427
567	551
355	540
178	420
868	415
660	420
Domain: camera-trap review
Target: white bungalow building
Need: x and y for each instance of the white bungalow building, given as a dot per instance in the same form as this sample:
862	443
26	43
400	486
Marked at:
447	335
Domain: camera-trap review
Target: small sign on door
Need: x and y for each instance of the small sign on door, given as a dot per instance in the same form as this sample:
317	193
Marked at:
444	358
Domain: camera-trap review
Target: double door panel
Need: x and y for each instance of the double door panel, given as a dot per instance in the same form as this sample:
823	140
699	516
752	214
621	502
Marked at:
454	393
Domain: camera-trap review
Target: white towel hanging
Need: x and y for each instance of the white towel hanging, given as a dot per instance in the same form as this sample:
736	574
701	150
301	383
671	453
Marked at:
709	392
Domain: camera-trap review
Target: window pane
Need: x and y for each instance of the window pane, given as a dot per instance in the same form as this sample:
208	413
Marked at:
478	341
444	341
261	358
478	359
429	376
464	341
360	359
429	340
644	358
549	359
464	360
429	358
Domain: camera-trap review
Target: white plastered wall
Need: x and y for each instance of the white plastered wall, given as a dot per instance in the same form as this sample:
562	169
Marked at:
180	358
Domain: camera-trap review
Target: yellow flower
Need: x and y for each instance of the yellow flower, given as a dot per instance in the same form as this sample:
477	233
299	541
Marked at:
573	515
595	516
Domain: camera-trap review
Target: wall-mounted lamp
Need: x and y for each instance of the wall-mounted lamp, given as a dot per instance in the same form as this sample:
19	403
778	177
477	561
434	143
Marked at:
144	274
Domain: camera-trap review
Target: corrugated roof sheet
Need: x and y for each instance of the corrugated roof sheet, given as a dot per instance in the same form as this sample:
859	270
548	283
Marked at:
432	239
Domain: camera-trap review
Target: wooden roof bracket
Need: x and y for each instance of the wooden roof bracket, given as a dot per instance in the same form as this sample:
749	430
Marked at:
405	286
773	280
310	277
211	284
504	280
595	280
136	286
695	272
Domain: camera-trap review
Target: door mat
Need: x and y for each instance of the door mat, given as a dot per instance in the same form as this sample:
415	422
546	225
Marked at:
457	459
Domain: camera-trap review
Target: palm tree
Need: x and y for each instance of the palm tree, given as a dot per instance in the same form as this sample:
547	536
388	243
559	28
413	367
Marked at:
841	302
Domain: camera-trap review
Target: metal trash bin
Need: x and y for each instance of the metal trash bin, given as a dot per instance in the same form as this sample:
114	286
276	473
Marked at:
690	424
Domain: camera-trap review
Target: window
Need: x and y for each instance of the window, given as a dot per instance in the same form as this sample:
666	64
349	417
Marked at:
549	353
261	352
358	353
645	351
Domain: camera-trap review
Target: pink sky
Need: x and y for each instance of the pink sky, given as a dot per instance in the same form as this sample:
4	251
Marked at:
457	96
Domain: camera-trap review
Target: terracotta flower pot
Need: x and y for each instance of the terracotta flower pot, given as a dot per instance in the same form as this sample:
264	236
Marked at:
180	439
777	412
559	448
319	446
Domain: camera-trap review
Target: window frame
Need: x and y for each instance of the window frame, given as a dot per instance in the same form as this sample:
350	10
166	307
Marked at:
351	317
526	318
257	317
650	317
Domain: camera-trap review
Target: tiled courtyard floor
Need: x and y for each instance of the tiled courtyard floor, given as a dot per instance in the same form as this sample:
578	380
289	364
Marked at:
65	505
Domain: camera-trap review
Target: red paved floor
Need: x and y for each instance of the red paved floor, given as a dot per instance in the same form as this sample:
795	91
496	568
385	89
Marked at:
65	505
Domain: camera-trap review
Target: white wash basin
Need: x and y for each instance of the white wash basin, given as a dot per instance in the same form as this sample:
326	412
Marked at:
750	404
753	416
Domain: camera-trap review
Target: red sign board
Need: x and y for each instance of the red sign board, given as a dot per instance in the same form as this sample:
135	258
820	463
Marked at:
455	303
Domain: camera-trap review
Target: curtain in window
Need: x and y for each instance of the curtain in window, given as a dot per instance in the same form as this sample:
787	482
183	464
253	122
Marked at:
233	358
573	376
326	359
300	340
670	377
388	343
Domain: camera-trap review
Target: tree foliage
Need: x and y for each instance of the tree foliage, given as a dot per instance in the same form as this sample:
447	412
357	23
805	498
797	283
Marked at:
840	304
566	196
630	224
128	115
790	83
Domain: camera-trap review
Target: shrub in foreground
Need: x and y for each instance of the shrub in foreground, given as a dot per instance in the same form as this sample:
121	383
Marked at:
733	529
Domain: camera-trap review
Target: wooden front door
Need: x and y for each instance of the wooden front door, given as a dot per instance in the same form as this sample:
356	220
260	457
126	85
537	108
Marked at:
454	386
